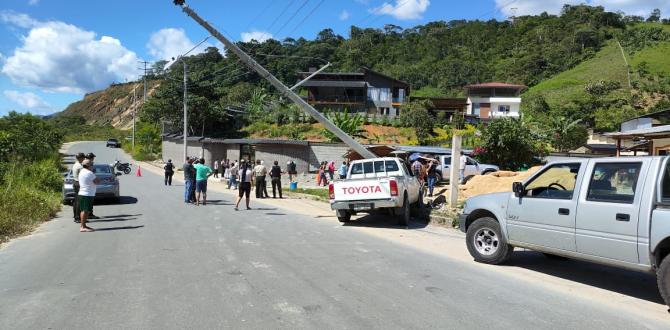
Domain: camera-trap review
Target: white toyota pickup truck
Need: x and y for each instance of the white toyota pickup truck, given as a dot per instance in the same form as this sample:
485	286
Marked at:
613	211
374	184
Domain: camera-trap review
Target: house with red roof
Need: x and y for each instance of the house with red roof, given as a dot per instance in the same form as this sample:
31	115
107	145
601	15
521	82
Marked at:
493	100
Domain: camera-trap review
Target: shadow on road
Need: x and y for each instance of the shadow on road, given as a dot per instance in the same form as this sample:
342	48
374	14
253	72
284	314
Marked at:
626	282
383	221
262	208
118	228
110	220
219	202
122	201
273	213
120	216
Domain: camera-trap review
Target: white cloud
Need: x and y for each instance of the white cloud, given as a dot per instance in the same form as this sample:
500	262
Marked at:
170	42
533	7
33	2
259	36
20	20
28	101
61	57
344	15
403	9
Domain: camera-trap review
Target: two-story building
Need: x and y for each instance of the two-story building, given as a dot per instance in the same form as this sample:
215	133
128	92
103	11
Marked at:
493	100
366	91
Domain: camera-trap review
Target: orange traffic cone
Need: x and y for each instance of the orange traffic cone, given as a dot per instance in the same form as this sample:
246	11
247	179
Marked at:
139	171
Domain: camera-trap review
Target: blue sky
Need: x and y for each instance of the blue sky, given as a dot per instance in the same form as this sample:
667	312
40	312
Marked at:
52	52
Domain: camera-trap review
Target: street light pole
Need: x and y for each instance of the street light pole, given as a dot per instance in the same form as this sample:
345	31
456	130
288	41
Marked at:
185	112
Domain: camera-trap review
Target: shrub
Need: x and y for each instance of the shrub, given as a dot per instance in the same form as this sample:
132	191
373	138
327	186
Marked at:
510	144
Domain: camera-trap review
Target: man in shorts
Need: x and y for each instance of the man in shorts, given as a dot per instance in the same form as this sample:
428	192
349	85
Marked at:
202	173
87	186
246	180
76	168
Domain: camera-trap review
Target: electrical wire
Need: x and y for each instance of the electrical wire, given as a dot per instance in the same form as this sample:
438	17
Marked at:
304	3
306	17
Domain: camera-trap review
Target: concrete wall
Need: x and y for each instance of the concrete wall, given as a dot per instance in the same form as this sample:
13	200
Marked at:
325	152
174	149
283	153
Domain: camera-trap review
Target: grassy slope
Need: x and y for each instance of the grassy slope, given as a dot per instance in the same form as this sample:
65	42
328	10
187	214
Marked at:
656	57
607	64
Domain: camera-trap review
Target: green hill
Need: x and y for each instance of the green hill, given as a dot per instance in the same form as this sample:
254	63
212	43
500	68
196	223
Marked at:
607	65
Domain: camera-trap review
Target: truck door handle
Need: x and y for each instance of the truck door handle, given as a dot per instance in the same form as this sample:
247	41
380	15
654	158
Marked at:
622	217
564	211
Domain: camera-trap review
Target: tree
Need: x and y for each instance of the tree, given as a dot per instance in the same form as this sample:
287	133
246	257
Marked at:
350	124
567	134
415	114
510	144
655	15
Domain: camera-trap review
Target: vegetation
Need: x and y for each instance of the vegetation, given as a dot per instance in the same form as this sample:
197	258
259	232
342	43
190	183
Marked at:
30	179
511	144
350	124
320	193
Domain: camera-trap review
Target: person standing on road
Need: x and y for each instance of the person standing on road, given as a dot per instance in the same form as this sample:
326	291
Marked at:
260	172
216	168
275	176
189	179
331	170
291	170
265	182
343	171
232	175
76	168
431	174
91	157
246	180
462	163
202	173
169	172
87	187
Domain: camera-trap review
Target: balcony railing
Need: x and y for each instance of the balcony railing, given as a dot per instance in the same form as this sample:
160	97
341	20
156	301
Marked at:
337	99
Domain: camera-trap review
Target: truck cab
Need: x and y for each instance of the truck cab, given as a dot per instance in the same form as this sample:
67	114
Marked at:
614	211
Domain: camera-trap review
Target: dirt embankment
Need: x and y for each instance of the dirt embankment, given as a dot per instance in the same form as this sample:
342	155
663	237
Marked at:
500	181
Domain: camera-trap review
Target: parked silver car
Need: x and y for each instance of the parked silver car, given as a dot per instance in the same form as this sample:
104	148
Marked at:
472	167
108	188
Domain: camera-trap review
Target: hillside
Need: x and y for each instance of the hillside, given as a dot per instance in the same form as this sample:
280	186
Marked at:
113	105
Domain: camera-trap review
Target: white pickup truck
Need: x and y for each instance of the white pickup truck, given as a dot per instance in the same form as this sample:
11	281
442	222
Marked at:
374	184
614	211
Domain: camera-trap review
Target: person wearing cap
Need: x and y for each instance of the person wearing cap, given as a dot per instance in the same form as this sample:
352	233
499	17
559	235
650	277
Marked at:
76	168
87	187
275	177
246	176
169	172
189	180
91	157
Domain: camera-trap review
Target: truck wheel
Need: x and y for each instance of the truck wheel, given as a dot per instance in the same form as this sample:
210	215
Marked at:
419	202
486	243
343	216
663	279
405	212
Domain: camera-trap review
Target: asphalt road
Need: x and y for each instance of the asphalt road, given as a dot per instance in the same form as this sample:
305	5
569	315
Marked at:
156	263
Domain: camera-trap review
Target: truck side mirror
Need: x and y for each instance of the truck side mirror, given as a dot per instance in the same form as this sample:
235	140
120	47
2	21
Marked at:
518	189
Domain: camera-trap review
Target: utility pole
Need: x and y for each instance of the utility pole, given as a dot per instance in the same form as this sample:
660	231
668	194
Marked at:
144	99
251	63
185	112
134	114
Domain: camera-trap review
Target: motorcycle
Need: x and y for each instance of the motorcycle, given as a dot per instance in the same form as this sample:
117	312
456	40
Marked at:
123	167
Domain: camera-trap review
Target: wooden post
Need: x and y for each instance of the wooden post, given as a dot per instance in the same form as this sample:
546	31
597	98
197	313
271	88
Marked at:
454	177
618	147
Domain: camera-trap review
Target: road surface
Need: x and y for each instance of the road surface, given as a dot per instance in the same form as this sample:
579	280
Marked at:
157	263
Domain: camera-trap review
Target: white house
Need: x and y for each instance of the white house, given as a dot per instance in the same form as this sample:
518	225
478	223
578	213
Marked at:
493	100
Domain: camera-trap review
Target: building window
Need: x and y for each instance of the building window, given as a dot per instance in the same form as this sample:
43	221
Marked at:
503	108
475	109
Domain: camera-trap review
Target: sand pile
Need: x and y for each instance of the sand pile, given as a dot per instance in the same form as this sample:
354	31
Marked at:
500	181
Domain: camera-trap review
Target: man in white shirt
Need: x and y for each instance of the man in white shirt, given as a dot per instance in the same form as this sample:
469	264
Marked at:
87	187
76	168
462	163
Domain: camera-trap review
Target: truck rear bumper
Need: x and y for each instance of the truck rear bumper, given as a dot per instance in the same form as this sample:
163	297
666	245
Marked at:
365	205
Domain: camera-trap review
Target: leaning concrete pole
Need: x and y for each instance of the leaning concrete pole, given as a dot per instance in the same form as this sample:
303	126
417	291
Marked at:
251	63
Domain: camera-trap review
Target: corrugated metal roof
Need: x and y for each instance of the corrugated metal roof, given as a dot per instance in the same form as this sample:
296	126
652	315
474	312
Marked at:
650	131
256	141
495	85
329	83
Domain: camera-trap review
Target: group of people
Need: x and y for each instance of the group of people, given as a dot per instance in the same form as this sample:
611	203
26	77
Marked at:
84	184
425	169
327	170
196	173
249	176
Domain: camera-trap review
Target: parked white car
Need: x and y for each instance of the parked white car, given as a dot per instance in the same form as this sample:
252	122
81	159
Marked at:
472	167
375	184
613	211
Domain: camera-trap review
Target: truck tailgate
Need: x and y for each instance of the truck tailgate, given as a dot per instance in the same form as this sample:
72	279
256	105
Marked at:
357	190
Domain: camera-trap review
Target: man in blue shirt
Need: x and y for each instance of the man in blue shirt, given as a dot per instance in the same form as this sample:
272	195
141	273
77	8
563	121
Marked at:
343	170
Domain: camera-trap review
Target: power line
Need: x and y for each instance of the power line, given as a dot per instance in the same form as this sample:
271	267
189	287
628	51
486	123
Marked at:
306	17
304	3
260	14
281	14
